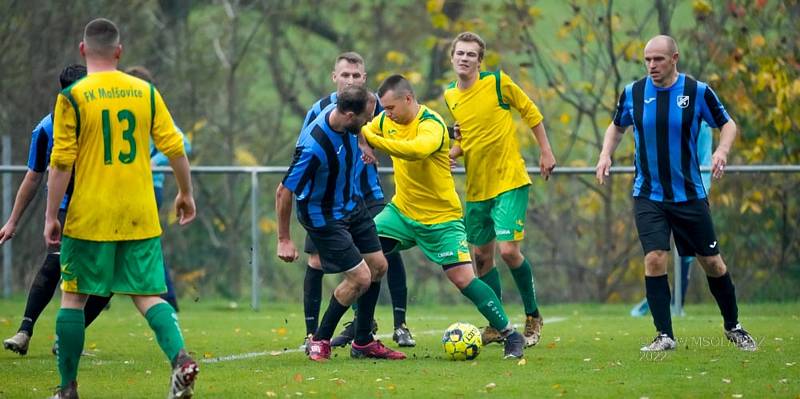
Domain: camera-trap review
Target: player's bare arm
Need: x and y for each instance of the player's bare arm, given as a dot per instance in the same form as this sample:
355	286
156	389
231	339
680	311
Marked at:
287	251
610	142
719	159
57	182
27	189
184	201
547	161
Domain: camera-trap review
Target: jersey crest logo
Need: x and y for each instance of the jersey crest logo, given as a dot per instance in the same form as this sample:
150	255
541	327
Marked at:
682	101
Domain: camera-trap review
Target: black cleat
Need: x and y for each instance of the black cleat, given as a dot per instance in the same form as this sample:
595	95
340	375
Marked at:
514	346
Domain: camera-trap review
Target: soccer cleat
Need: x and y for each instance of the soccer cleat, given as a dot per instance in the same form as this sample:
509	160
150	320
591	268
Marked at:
741	338
403	337
490	334
70	392
183	375
318	351
349	333
514	346
662	342
374	350
18	343
533	330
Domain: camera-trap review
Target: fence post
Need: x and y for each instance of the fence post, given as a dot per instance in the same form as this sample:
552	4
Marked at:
254	252
7	246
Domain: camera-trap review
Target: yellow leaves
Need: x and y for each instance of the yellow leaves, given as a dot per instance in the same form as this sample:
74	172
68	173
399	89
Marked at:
414	77
752	203
632	50
244	157
565	118
395	57
491	60
433	6
267	225
534	12
192	276
758	41
701	8
562	56
439	21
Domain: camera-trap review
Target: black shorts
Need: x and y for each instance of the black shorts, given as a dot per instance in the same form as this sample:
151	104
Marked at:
689	222
340	243
373	208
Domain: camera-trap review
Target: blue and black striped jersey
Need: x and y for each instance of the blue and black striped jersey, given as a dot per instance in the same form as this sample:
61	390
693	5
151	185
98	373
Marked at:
324	173
369	180
666	124
39	153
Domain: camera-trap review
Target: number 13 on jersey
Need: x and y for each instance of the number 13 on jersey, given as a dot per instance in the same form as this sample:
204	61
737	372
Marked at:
126	122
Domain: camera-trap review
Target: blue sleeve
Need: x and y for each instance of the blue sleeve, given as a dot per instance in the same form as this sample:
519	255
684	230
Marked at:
711	109
622	116
704	145
39	152
304	167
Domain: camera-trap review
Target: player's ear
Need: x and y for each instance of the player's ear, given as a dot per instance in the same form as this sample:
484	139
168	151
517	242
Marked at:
118	52
82	49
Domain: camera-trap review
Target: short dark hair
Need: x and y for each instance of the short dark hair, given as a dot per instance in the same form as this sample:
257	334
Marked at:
352	99
101	36
140	72
397	83
71	74
469	37
351	57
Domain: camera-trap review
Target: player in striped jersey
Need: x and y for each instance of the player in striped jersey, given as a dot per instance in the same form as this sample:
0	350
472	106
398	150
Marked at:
665	109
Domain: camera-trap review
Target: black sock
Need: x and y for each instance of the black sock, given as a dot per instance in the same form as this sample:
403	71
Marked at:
366	312
330	319
396	277
312	298
41	292
94	305
725	293
658	297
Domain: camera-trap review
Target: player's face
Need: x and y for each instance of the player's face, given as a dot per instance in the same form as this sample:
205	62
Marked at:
661	63
466	58
348	74
397	107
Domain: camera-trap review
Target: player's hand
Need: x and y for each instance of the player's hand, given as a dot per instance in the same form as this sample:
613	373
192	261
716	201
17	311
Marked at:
547	162
287	251
603	169
185	209
455	152
367	155
52	232
718	161
7	232
457	131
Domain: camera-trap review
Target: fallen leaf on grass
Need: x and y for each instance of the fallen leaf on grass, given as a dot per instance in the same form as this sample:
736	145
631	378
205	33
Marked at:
271	394
490	386
725	380
298	377
522	362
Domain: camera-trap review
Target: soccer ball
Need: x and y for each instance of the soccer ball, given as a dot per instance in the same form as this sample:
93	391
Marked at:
461	341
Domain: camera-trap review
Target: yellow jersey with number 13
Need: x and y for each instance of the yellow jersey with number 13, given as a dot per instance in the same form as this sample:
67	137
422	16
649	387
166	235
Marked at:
102	125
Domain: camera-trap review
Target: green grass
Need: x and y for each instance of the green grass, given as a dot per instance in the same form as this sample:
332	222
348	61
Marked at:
593	351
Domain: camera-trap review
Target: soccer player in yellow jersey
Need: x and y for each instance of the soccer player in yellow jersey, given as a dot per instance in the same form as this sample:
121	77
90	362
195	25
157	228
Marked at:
103	125
497	181
425	210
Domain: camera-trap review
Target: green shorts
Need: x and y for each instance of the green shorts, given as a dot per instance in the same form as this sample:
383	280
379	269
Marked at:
502	217
443	243
122	267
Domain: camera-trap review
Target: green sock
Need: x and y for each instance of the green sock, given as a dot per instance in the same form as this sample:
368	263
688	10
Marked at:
493	280
487	303
523	276
70	335
164	323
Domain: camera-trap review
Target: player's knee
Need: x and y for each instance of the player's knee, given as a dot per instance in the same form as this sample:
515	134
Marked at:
655	263
484	261
511	256
314	261
714	266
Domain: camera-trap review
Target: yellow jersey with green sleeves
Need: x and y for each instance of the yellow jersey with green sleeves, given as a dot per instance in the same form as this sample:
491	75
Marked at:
488	134
425	190
102	125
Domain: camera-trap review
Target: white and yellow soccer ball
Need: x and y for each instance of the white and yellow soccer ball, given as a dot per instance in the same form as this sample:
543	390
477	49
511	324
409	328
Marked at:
462	341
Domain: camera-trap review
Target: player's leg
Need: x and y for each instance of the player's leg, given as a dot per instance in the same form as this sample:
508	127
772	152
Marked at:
312	290
694	231
686	271
654	232
94	305
40	294
509	214
139	271
88	268
170	296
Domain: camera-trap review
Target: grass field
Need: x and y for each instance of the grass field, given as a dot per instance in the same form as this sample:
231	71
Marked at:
586	351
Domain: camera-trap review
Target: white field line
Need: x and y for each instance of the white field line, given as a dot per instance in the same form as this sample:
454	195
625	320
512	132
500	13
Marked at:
248	355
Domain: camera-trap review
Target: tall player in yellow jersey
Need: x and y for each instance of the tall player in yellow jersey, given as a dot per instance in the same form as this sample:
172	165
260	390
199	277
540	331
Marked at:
425	210
497	181
102	126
